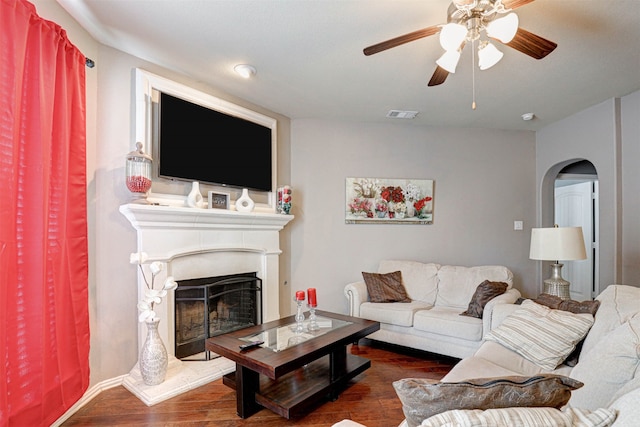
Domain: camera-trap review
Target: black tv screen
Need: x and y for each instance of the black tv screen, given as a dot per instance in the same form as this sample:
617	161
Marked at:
197	143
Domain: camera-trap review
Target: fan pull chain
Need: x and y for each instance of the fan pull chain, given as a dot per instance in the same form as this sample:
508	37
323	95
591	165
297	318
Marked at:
473	74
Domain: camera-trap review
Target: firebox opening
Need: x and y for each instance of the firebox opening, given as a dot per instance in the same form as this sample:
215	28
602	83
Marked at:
210	306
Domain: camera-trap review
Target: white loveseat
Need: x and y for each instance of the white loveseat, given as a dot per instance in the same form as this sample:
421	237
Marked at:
439	293
609	362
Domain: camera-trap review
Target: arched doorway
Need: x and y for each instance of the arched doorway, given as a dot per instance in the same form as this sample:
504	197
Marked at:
575	204
564	174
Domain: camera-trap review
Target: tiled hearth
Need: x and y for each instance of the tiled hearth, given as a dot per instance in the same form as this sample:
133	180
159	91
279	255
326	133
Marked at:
202	243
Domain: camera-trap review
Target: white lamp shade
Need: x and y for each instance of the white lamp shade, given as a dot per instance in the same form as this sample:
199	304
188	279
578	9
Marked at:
449	60
557	244
503	29
452	35
488	56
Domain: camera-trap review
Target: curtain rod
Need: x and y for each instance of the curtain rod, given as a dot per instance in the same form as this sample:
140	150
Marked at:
89	63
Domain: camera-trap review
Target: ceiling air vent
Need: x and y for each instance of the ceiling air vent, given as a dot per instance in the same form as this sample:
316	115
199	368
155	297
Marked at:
400	114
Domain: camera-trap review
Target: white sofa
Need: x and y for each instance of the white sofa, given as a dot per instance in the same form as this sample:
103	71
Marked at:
609	363
439	293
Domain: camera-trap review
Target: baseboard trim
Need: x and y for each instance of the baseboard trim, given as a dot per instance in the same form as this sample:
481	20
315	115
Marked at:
181	377
88	396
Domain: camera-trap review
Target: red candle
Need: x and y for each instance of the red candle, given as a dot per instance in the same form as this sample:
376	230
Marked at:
299	295
313	302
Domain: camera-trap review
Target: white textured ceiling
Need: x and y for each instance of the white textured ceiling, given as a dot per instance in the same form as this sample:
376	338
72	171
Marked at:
310	62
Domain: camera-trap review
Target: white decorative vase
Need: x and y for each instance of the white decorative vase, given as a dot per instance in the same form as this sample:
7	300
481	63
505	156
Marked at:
194	198
244	202
153	357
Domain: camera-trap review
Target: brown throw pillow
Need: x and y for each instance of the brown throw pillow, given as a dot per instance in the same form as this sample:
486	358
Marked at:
485	292
422	398
386	287
555	302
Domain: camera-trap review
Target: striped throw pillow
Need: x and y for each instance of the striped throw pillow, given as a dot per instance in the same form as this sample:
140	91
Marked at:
540	334
522	417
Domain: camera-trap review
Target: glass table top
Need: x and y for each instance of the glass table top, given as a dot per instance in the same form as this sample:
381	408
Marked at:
282	337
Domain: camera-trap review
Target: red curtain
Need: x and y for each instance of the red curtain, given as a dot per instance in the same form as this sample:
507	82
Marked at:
44	321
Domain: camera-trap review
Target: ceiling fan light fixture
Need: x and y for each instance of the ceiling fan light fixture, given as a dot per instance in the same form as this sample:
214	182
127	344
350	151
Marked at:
488	55
452	35
503	29
467	22
449	60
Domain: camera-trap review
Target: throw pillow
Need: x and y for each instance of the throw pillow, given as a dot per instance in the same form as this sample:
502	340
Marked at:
485	292
385	287
523	417
422	398
540	334
553	301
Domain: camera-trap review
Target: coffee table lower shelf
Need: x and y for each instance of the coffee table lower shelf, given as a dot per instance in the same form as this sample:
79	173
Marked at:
296	393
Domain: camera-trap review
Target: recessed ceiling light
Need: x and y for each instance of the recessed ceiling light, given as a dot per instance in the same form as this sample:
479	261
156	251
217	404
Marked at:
245	70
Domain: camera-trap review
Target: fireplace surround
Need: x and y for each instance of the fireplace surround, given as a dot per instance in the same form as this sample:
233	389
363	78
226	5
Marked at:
194	243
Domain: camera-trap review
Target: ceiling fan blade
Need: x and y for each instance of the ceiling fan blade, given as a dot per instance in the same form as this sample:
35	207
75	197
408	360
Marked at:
531	44
397	41
514	4
438	77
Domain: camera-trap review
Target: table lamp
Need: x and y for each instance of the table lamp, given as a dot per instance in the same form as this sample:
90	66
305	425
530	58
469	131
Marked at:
555	244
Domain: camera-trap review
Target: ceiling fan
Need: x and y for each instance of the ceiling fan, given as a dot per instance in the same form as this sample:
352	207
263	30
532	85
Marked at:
467	20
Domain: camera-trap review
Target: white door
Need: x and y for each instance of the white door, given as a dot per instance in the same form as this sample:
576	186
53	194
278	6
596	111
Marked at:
574	208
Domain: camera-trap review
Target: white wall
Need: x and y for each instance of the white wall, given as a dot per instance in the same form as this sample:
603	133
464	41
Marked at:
590	135
607	135
484	180
630	109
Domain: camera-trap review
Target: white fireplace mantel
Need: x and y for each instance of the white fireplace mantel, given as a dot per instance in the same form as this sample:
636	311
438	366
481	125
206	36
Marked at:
193	243
170	217
196	242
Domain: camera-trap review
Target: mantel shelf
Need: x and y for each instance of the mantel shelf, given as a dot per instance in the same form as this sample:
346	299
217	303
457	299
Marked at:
144	217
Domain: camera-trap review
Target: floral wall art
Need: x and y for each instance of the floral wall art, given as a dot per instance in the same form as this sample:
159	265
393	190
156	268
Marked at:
381	200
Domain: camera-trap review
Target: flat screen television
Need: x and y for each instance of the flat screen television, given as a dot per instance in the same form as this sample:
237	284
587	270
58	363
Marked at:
197	143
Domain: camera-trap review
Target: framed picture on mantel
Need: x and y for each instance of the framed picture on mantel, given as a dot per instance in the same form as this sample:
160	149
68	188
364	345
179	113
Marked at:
218	200
382	200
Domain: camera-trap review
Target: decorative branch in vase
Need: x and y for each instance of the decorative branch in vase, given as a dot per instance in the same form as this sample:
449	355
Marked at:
153	360
152	296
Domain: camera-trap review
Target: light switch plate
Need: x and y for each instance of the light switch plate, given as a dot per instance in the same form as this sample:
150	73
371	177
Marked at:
517	225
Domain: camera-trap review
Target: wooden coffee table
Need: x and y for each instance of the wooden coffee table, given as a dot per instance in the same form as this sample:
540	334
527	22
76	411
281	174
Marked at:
292	379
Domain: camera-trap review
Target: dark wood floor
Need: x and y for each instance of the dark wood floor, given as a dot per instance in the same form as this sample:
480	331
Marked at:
369	399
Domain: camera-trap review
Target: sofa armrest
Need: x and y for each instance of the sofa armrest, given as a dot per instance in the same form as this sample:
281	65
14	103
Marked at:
356	294
508	298
501	312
